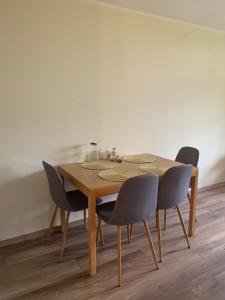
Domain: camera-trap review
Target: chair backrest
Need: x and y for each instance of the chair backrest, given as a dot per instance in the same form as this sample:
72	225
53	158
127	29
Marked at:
56	187
188	155
174	186
137	199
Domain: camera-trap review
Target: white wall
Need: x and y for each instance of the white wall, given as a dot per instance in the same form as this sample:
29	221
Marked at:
165	80
72	72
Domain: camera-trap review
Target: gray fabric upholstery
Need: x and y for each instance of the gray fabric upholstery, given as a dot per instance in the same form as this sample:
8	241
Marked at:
105	211
188	155
70	201
77	200
136	200
174	186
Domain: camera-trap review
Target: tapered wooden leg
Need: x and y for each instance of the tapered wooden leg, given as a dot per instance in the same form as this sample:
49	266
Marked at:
159	235
85	219
101	235
92	233
64	236
119	255
183	226
52	222
62	219
192	213
128	233
189	199
150	242
165	218
98	231
62	211
131	230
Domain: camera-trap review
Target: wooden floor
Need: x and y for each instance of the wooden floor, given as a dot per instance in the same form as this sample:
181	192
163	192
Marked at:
30	270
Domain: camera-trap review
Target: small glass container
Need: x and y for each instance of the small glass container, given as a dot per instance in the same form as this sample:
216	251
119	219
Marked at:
113	154
107	155
94	153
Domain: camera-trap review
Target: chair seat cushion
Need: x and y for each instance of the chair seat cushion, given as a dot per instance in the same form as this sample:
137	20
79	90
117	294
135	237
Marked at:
79	201
105	211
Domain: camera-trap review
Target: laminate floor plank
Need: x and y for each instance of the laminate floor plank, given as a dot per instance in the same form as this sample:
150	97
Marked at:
30	269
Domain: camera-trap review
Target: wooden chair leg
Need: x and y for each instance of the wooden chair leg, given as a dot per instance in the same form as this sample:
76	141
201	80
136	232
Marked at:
189	199
98	231
64	236
85	219
51	223
119	254
62	218
101	234
183	226
150	242
128	233
131	230
165	218
159	235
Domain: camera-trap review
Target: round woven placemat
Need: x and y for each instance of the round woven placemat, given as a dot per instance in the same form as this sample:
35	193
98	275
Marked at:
139	158
120	174
158	167
99	165
154	168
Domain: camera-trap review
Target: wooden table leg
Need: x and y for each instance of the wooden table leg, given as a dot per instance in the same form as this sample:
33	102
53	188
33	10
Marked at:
193	202
92	233
62	211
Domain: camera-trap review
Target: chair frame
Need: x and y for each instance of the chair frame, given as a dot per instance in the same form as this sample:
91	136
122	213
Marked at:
145	187
56	180
195	165
119	242
159	230
64	229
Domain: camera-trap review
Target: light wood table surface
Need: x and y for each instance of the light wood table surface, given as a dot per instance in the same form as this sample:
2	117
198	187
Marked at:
93	186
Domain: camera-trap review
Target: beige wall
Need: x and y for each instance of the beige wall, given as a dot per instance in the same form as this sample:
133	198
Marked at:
72	72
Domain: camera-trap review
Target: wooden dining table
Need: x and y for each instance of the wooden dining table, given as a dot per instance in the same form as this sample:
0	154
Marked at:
89	182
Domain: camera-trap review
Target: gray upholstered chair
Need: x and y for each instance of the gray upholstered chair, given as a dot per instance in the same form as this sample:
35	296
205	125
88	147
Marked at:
186	155
173	189
72	201
136	200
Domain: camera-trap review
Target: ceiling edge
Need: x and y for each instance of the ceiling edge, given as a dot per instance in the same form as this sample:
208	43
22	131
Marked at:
117	7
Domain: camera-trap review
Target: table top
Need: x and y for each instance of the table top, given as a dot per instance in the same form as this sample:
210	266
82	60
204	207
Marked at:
89	181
